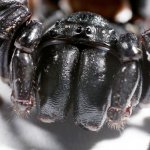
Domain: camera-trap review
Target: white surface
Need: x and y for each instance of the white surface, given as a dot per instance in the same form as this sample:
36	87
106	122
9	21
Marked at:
30	134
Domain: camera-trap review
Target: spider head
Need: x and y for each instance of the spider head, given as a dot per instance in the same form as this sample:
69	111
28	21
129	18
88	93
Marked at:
83	27
22	107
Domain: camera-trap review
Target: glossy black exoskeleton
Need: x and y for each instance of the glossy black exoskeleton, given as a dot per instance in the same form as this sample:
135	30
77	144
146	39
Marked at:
80	62
85	59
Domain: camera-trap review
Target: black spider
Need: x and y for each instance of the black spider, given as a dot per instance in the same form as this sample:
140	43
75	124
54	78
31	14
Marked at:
80	62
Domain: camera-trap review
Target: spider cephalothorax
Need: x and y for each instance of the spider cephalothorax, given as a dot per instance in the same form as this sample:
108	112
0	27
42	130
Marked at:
103	64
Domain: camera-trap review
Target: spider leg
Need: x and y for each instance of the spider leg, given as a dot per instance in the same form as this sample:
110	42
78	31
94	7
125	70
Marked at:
127	85
138	93
21	81
123	90
23	67
12	16
56	68
145	100
4	58
95	76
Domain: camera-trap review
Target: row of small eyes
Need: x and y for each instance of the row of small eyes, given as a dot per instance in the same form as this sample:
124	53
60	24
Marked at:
79	29
88	30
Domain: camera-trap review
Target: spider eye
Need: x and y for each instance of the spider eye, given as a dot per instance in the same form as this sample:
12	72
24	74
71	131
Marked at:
57	23
53	33
88	30
79	29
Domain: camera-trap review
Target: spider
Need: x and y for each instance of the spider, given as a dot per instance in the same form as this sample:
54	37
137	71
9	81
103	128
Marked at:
81	62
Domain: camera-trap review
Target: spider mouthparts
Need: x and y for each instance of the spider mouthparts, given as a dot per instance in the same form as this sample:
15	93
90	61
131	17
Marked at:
45	119
117	117
50	118
91	126
22	106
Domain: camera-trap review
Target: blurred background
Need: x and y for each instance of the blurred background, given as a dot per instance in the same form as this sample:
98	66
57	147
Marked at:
30	134
117	11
